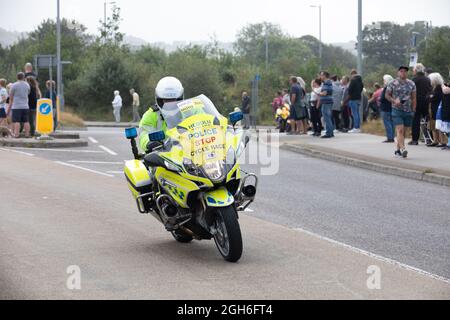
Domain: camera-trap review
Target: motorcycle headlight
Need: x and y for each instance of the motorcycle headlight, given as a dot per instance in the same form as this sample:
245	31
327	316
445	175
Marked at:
171	166
190	167
215	171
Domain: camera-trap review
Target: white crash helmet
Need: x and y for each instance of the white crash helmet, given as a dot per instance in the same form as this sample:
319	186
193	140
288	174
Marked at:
168	88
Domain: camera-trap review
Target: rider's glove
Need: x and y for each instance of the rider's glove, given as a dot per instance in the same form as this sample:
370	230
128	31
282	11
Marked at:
152	145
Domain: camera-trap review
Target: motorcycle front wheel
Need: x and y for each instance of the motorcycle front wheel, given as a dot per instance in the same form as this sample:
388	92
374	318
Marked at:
228	237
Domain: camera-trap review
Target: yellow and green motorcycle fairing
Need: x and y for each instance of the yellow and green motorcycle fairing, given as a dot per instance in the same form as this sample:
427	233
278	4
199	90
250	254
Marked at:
200	140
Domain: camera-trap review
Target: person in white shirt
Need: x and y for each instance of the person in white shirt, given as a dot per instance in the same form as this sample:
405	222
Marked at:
136	103
315	109
3	104
117	105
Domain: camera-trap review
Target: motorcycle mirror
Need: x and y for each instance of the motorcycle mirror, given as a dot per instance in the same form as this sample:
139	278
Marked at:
131	133
157	136
235	117
247	140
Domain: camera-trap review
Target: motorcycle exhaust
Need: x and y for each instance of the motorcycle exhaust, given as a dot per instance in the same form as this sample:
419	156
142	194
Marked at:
166	208
249	191
246	192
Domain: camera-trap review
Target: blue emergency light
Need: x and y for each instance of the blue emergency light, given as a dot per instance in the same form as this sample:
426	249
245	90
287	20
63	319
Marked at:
131	133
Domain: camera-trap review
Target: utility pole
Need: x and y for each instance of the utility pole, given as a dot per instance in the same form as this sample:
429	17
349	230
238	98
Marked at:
267	51
360	38
104	20
58	58
104	16
320	36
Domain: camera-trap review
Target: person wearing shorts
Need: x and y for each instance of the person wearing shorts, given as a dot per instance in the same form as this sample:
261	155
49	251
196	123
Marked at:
402	93
18	100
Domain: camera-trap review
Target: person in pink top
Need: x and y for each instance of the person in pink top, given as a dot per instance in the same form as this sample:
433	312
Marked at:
277	102
376	95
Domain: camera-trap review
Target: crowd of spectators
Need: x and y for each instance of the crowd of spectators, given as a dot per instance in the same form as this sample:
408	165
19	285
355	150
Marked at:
18	103
332	104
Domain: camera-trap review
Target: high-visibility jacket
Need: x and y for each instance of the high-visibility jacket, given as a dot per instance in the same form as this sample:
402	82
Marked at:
152	121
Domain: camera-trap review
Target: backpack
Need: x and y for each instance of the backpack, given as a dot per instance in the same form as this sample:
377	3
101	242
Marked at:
385	105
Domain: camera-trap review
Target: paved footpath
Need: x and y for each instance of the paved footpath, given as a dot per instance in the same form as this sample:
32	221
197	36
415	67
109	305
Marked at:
56	216
423	163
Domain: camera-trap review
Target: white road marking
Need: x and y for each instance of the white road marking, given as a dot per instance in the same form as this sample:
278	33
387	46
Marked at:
25	153
108	150
115	172
85	169
92	140
376	256
248	210
95	162
59	150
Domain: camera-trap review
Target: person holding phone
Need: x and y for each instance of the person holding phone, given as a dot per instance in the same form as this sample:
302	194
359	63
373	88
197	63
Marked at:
402	93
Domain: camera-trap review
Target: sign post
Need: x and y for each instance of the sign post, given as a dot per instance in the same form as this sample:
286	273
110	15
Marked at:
44	117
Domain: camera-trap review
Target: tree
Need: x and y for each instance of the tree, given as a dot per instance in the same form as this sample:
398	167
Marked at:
386	42
74	43
251	42
435	52
333	57
109	29
101	76
198	74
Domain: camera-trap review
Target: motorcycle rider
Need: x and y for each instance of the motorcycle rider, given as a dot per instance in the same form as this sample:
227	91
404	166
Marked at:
168	89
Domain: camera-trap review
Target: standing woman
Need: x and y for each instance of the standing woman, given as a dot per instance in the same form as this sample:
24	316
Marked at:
51	85
386	111
33	97
440	139
314	106
445	114
117	105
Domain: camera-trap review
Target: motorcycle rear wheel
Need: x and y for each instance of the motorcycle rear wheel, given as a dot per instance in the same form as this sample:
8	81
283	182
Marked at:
228	237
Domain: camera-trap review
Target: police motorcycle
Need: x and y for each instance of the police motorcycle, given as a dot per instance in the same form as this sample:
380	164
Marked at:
192	182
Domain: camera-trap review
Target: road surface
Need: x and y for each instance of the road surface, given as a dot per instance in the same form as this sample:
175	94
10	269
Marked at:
314	232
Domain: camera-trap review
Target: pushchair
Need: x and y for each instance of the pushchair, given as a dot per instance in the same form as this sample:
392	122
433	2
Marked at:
426	133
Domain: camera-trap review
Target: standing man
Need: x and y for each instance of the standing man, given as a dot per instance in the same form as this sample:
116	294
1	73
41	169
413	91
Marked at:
326	102
402	93
296	98
246	110
338	92
117	105
423	86
354	98
136	103
18	101
29	71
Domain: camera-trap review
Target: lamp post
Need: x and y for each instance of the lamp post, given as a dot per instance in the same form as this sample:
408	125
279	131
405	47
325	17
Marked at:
267	50
104	14
360	38
58	56
320	34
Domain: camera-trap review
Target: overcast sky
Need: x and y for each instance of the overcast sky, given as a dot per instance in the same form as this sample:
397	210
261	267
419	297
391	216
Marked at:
198	20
